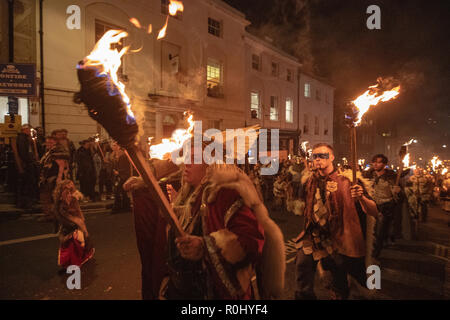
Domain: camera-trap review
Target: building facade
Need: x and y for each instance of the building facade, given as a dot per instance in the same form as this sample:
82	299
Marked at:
207	64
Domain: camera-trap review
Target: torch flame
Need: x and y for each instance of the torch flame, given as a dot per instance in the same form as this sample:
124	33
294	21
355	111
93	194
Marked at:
406	161
409	142
33	134
305	148
162	32
444	171
370	98
435	162
175	6
163	150
107	62
136	23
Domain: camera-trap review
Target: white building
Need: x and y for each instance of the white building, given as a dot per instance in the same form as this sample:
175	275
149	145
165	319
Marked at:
207	63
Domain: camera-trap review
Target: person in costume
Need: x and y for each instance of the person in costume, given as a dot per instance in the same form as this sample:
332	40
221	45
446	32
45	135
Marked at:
75	245
421	188
332	232
229	239
385	194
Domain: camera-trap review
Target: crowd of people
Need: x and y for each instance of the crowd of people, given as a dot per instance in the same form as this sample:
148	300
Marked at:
49	170
30	170
224	235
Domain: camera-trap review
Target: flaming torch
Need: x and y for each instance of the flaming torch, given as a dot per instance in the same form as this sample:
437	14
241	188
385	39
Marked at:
436	163
108	104
405	156
97	142
374	95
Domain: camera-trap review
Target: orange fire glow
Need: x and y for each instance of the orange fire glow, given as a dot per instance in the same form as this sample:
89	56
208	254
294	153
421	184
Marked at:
136	23
108	61
163	150
406	161
370	98
162	32
435	162
175	6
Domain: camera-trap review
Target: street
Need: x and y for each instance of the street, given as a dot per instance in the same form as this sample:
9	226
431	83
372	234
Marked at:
409	269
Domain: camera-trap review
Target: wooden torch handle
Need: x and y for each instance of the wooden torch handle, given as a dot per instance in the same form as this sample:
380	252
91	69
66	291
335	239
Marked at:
155	191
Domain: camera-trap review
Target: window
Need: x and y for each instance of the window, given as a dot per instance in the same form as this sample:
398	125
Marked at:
307	90
100	29
289	110
214	27
165	9
316	126
325	127
256	62
305	124
289	75
274	108
318	94
254	105
214	79
274	69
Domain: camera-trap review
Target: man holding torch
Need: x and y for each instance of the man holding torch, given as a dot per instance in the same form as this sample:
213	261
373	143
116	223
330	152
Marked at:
226	226
332	232
386	191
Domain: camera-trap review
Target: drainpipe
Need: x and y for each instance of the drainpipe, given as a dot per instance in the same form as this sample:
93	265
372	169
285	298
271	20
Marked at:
11	30
298	107
41	53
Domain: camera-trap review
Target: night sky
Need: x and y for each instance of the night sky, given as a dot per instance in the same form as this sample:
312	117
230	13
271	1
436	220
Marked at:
331	39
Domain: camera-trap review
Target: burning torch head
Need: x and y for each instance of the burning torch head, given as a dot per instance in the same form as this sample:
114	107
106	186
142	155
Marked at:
403	151
107	109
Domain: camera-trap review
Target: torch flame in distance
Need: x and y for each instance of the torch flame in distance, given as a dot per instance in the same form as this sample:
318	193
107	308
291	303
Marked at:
107	61
435	162
33	134
370	98
163	150
305	148
406	161
175	6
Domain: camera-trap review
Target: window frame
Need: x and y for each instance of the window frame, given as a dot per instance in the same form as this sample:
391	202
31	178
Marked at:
213	63
259	62
275	72
258	109
307	90
291	112
218	28
274	106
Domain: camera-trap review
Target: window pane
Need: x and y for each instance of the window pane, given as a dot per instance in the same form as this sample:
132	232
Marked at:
305	123
254	105
307	90
255	61
214	27
289	110
214	78
273	108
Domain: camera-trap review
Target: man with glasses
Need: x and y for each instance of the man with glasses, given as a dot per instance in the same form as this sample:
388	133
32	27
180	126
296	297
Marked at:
332	232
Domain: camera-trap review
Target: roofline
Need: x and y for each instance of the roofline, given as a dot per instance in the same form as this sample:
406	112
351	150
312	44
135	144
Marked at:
266	44
323	80
230	10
